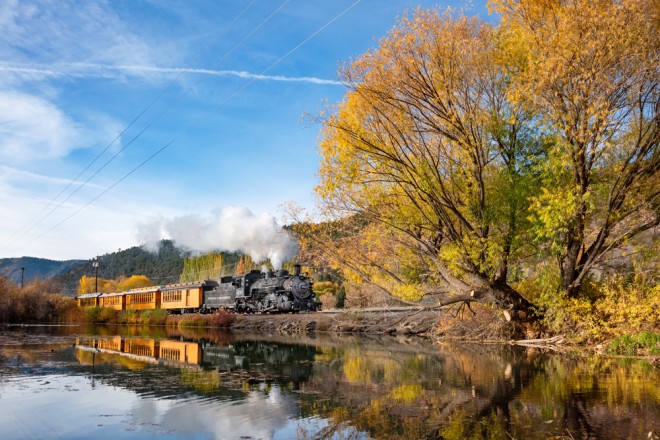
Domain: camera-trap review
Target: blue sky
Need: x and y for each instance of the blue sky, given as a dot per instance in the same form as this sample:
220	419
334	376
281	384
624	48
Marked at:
217	90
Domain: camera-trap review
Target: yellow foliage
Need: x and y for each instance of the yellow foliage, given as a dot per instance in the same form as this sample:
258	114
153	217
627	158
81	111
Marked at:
357	371
406	393
134	282
325	288
621	308
462	146
88	284
410	292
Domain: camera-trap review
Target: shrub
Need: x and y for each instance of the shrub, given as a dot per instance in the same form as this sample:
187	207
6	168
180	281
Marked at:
92	313
128	316
106	315
221	318
341	298
615	308
39	301
153	317
193	321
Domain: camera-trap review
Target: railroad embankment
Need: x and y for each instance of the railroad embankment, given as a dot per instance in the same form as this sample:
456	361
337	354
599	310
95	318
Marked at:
477	324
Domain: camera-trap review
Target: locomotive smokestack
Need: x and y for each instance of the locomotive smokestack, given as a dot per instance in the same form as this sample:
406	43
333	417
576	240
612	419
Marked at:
296	270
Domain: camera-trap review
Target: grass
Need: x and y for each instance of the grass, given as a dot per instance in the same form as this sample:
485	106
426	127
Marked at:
645	342
219	319
108	315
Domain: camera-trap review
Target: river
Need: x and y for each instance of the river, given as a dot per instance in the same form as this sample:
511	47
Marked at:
142	383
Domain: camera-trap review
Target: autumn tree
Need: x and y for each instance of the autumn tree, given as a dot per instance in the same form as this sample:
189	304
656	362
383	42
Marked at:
427	167
203	267
133	282
240	267
88	285
591	69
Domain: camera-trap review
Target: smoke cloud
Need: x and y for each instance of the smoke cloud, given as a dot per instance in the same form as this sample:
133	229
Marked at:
231	229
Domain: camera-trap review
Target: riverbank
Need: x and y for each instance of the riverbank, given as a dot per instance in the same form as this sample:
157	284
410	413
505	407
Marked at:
393	321
476	324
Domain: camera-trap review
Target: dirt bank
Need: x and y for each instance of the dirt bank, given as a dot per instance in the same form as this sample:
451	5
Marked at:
483	324
479	323
350	321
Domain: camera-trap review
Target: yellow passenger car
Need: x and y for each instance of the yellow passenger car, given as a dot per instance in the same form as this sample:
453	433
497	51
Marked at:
88	300
182	296
145	298
115	300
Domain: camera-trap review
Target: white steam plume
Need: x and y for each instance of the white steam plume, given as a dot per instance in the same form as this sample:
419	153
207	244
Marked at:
232	229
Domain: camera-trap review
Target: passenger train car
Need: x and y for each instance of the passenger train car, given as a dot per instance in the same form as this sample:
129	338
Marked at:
255	291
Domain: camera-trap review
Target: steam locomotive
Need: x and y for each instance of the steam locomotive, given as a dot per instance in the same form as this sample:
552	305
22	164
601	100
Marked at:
253	292
264	292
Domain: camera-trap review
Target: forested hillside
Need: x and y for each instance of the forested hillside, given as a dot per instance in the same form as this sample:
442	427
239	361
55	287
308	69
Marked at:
162	267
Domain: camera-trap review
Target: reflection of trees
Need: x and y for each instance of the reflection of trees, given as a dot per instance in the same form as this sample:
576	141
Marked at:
387	387
483	391
595	395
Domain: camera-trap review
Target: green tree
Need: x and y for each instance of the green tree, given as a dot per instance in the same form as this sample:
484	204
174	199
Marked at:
590	68
203	267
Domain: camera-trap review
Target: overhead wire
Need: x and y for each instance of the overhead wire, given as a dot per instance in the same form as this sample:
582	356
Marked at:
125	129
202	119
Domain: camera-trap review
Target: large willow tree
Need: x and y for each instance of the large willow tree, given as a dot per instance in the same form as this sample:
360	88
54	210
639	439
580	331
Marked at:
427	154
592	70
451	151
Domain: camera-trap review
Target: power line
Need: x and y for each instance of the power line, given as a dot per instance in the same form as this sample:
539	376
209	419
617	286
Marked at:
133	121
208	114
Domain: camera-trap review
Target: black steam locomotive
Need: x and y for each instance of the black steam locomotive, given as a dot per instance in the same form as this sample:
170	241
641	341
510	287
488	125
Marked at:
263	292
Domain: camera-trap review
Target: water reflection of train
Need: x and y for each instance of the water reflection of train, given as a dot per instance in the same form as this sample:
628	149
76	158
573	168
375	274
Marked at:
266	360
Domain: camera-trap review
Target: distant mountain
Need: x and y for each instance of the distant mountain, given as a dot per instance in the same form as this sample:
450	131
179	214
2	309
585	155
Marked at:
162	267
42	268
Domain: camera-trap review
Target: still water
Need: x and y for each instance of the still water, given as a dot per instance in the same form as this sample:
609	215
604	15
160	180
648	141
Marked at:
126	383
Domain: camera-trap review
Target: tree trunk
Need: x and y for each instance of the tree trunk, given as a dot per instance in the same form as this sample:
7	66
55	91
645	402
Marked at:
571	261
511	301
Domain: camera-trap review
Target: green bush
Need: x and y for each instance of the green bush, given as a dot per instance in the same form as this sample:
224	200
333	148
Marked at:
128	316
153	317
91	314
193	321
218	319
107	315
341	298
642	343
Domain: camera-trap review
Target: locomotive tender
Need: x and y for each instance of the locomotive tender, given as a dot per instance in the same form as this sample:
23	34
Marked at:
255	291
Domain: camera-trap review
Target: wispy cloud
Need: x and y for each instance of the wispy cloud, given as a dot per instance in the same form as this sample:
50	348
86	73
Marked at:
88	69
71	30
33	128
15	174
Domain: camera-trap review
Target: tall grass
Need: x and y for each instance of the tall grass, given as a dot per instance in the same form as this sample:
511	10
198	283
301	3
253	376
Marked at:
219	319
38	302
